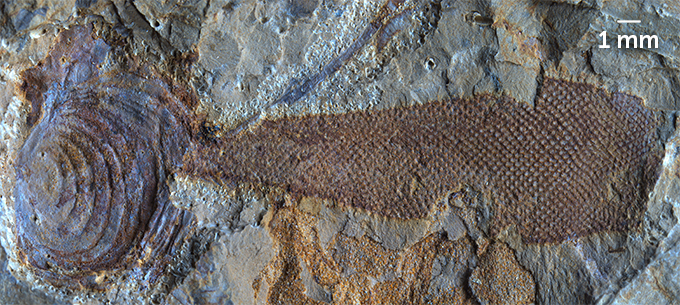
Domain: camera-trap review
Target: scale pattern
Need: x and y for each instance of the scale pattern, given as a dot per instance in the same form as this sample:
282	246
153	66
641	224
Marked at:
580	161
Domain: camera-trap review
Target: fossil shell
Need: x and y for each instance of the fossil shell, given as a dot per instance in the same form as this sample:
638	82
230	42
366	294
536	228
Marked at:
90	192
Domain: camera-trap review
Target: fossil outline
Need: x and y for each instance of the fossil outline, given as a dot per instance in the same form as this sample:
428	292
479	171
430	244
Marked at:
310	141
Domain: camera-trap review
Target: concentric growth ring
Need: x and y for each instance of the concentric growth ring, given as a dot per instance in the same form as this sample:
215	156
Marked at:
91	195
87	179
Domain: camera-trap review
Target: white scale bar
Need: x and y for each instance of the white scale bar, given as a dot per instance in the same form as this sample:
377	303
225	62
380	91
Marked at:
628	21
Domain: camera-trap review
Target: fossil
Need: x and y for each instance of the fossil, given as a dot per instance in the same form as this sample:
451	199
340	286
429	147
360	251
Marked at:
91	194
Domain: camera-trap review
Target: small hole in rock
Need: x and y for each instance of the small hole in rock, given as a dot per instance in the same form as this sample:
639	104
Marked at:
430	63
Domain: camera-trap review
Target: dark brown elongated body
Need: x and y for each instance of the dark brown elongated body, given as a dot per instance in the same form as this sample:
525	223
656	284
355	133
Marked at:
581	161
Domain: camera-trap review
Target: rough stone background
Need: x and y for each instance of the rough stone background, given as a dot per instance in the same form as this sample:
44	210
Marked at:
311	251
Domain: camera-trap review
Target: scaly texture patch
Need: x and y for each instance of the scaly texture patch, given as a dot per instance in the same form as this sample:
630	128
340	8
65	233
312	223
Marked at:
581	161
